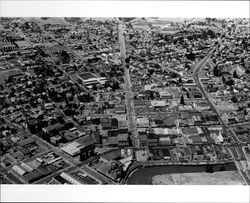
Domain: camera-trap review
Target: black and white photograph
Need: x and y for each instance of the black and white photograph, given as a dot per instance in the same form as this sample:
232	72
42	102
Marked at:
137	99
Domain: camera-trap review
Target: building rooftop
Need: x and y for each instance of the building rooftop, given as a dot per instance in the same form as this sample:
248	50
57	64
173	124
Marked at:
72	148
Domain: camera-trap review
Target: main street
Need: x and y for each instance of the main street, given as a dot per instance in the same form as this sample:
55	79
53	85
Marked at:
128	90
224	125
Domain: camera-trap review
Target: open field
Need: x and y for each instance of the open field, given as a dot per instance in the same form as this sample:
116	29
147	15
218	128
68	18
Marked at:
59	20
216	178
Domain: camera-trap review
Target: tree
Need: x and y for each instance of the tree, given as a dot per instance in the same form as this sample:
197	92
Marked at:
68	125
229	82
235	75
151	95
216	71
211	33
80	47
65	56
94	87
180	80
234	99
69	112
127	60
208	19
174	75
115	85
182	100
79	81
245	112
2	148
102	74
191	56
188	67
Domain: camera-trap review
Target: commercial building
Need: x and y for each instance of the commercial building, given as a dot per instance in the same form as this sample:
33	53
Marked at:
87	149
7	47
73	149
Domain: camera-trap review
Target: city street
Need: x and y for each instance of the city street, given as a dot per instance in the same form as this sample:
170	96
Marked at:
128	90
226	128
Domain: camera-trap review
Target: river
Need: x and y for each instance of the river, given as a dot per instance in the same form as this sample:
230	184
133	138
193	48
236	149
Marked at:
144	175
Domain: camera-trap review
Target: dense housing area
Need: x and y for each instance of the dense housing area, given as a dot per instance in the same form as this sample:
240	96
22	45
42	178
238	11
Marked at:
87	100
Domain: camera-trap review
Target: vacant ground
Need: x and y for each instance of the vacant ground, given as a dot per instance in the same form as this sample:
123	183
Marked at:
216	178
56	20
224	106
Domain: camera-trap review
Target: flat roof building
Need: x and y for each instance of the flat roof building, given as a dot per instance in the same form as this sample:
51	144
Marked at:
72	149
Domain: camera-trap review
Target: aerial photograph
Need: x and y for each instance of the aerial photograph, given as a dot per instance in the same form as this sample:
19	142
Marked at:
124	101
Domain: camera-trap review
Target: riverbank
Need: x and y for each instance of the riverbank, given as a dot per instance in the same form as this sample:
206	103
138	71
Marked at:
143	176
